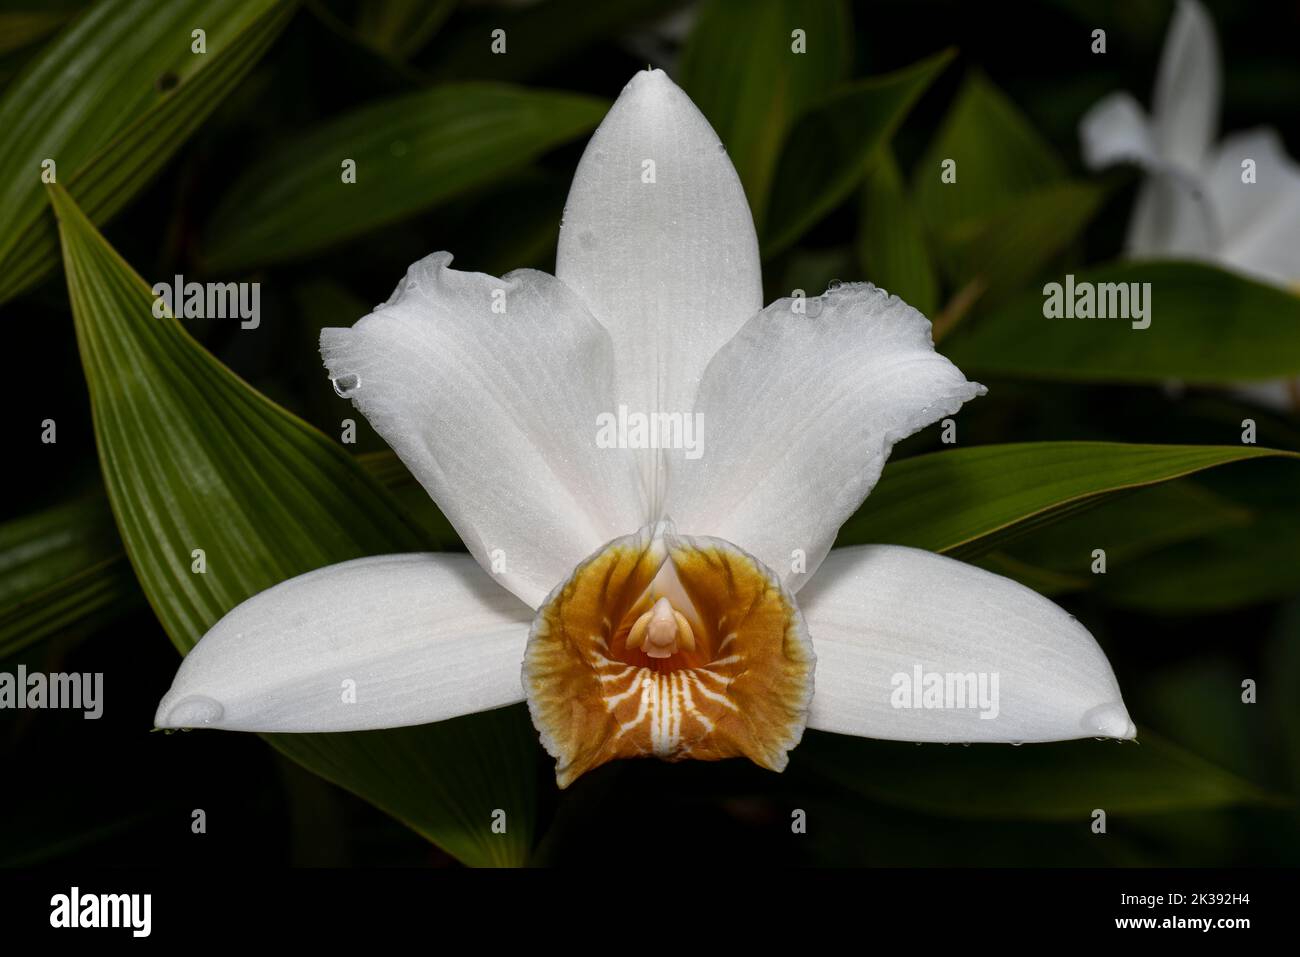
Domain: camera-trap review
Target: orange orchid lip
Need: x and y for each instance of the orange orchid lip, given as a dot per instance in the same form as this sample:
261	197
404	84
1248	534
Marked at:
668	646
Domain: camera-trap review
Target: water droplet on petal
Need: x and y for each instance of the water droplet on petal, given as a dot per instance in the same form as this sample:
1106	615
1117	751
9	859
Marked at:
345	385
833	285
194	711
1110	719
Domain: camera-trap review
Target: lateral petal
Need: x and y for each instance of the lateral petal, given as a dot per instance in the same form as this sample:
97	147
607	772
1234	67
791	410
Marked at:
883	616
377	642
490	391
799	412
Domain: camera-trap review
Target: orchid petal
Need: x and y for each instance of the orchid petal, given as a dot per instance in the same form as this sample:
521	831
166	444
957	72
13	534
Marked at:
1184	109
1172	216
374	643
1115	130
799	412
1260	220
489	390
657	238
881	611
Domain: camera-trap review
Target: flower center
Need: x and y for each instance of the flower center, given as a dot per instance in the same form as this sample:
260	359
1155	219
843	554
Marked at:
660	630
668	646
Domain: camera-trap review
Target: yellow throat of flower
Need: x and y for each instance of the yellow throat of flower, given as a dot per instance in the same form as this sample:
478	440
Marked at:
668	646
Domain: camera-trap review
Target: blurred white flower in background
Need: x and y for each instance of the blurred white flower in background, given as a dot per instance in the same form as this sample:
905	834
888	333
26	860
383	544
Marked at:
1234	203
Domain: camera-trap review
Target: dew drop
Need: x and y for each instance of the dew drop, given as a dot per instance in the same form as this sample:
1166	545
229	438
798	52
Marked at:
1016	744
833	285
345	385
194	711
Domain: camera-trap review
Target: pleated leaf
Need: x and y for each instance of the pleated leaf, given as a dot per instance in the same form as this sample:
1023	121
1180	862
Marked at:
833	145
108	102
1207	326
61	568
970	500
742	68
410	153
1130	526
64	568
891	247
996	153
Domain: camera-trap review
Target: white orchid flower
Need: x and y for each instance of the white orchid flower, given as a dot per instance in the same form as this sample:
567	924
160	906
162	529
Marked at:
648	593
1195	201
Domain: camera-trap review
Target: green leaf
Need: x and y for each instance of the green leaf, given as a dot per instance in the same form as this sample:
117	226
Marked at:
401	28
891	243
1128	526
999	157
1251	562
516	225
1207	326
1057	781
100	103
1011	246
1045	581
1010	208
811	270
833	145
1217	574
61	568
194	458
1197	703
387	468
740	68
969	500
19	27
411	153
64	568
